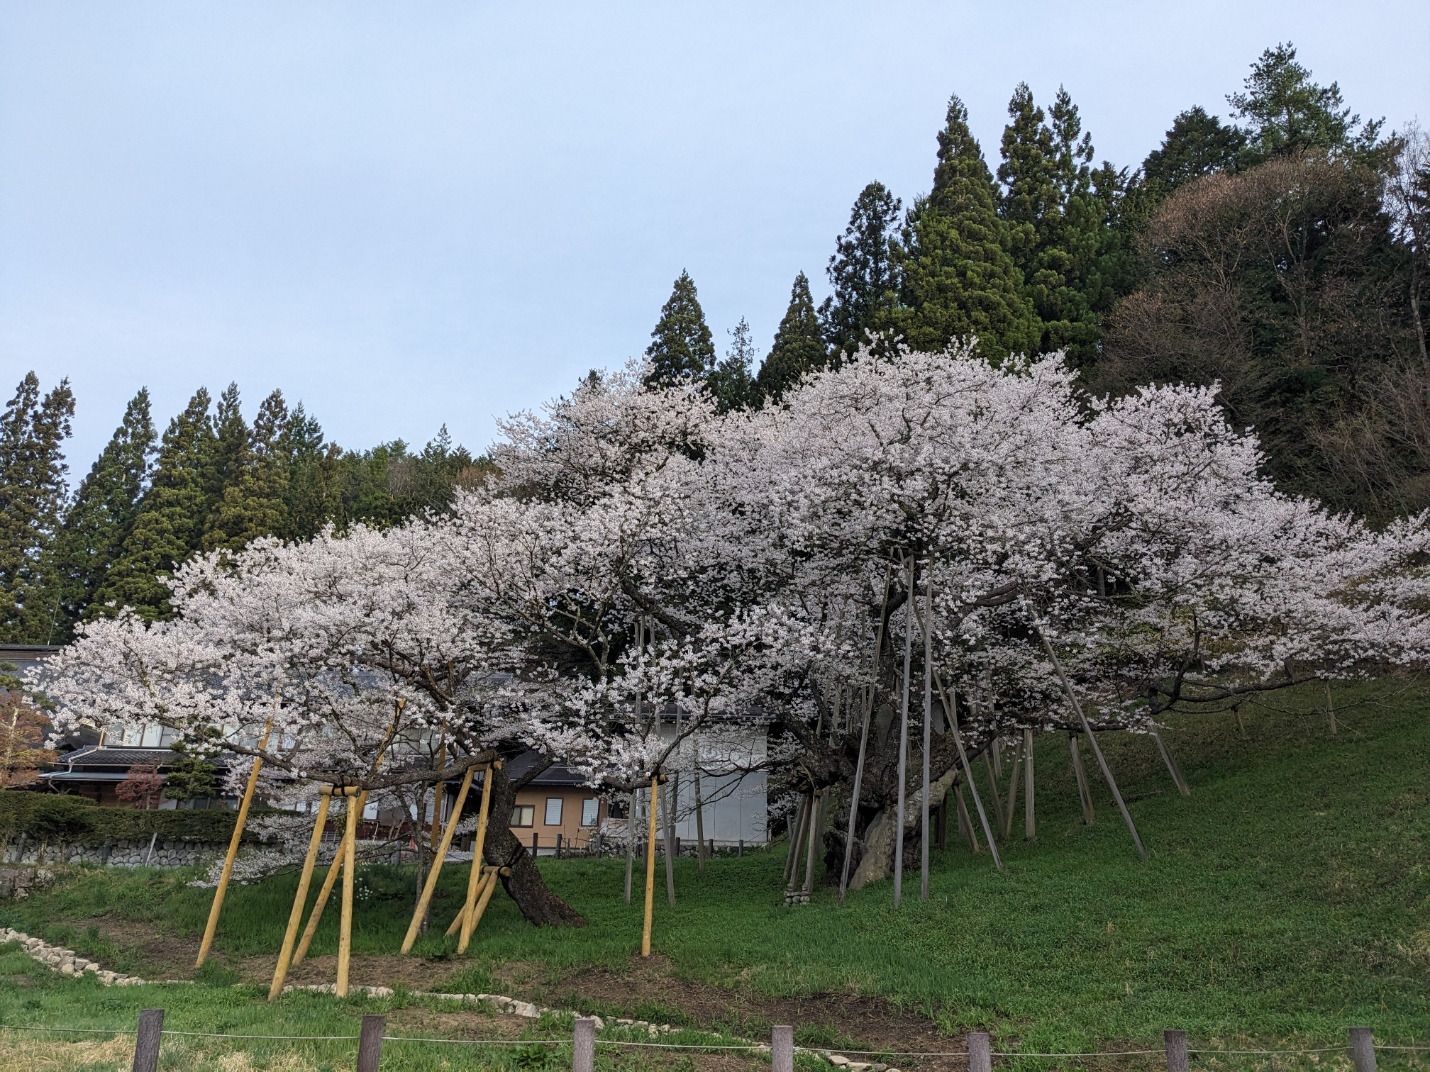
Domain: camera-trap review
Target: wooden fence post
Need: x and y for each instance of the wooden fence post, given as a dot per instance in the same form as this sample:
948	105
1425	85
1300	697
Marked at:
1362	1049
782	1049
1176	1044
370	1043
146	1041
583	1046
980	1052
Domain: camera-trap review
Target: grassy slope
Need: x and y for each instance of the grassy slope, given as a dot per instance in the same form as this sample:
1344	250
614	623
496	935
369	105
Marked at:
1285	900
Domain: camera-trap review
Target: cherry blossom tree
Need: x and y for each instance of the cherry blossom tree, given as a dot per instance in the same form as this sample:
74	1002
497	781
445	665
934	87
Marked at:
1055	555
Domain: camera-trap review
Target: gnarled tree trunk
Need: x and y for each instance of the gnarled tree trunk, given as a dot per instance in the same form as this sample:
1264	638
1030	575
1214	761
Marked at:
525	884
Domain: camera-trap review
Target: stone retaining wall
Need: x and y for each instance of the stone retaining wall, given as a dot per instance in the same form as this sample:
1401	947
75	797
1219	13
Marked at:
174	852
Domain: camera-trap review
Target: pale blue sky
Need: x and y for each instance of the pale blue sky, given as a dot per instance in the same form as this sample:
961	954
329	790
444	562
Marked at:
410	214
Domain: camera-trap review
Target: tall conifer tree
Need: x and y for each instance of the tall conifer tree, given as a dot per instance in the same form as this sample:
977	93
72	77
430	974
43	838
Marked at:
311	497
1057	216
169	525
732	384
32	497
799	345
104	509
253	502
864	273
958	278
681	344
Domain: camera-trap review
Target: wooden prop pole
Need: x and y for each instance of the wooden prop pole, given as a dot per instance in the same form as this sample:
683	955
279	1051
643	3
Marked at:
1012	810
1096	749
330	881
816	815
965	825
430	886
699	801
928	727
478	847
630	842
345	926
864	741
1330	707
479	909
950	710
989	770
1084	793
439	797
650	868
212	926
1172	768
1030	825
904	744
669	799
295	917
796	840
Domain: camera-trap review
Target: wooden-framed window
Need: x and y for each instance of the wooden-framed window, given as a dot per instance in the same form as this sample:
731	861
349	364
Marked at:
523	815
590	811
553	811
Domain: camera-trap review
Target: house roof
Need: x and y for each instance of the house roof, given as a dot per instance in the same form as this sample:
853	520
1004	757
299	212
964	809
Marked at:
97	756
556	774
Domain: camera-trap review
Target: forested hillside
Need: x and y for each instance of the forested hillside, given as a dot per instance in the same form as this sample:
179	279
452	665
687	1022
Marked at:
1280	253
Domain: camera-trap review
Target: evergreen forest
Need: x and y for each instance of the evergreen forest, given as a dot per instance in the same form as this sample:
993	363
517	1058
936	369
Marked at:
1279	252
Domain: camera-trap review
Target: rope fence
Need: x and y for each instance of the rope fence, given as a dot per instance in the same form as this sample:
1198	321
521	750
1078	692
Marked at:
781	1048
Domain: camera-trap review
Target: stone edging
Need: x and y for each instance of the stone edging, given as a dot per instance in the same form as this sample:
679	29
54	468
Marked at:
68	962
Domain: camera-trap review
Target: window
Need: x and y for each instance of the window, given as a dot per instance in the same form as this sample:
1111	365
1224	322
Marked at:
523	815
553	811
590	810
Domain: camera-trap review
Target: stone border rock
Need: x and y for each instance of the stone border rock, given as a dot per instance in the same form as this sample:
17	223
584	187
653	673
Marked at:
68	962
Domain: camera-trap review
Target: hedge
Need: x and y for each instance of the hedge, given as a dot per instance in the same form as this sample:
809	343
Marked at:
62	818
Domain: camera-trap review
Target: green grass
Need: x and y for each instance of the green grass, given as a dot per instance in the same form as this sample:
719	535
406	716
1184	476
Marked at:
1286	900
92	1015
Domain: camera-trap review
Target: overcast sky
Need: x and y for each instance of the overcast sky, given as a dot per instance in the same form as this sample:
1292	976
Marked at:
411	214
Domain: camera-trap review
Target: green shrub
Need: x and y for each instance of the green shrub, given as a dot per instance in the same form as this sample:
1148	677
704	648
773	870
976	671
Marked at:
58	817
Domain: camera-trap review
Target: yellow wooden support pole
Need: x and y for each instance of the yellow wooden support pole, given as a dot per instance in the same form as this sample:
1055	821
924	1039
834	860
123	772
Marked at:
650	869
223	877
295	917
345	929
489	885
335	872
431	884
477	848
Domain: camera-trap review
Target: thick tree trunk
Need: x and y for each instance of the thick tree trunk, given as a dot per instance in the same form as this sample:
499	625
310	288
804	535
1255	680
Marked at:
524	885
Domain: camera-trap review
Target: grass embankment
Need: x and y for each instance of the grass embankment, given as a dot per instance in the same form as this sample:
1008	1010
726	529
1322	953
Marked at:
1284	901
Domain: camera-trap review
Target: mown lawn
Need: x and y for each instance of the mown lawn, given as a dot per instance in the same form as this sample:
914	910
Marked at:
1287	899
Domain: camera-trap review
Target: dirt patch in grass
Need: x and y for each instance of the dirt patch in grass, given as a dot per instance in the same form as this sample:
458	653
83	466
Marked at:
148	951
839	1022
392	971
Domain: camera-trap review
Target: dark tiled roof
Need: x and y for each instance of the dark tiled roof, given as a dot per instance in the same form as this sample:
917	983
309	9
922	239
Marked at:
94	756
556	774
